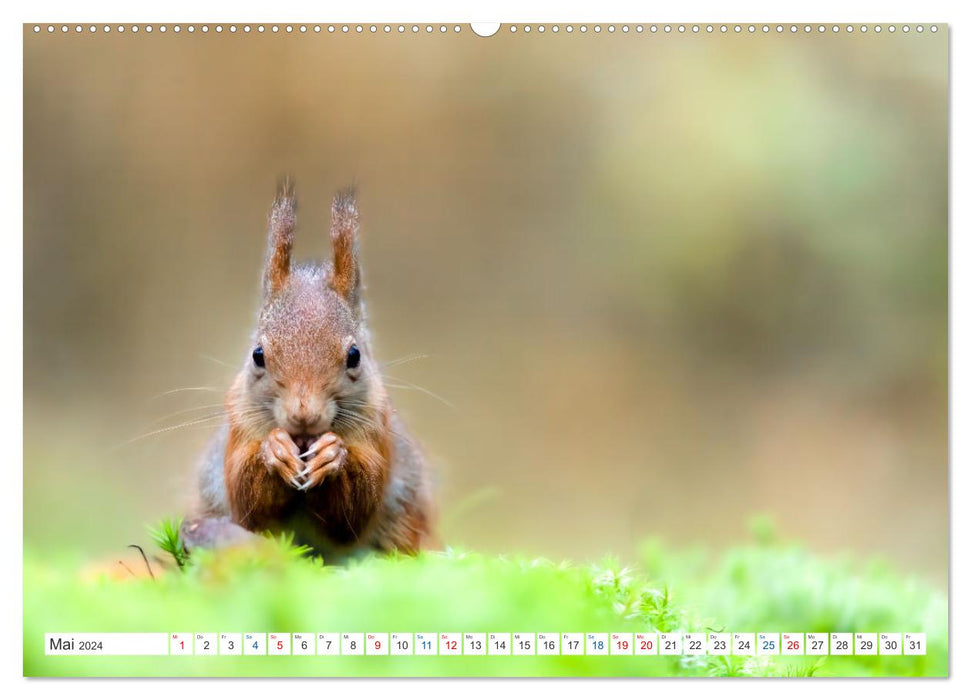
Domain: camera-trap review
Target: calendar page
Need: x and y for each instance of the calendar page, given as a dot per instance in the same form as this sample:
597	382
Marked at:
547	349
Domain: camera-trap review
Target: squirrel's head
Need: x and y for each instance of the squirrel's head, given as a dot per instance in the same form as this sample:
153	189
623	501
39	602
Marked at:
310	368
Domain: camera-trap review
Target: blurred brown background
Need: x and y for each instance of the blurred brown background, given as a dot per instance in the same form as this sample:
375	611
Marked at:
664	282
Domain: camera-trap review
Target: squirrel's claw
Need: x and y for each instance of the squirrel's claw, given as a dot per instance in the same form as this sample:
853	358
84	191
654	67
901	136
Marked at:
280	457
319	444
329	460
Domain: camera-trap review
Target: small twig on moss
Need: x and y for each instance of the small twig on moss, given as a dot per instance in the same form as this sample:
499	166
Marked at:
145	559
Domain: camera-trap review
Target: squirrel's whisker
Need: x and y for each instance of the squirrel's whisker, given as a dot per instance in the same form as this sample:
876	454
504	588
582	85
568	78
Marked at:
352	422
213	389
217	361
405	359
188	410
409	385
169	429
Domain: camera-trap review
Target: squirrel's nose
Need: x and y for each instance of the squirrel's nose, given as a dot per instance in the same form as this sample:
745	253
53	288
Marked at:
304	421
303	414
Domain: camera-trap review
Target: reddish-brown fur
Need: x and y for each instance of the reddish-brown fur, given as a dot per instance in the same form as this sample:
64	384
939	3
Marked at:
261	500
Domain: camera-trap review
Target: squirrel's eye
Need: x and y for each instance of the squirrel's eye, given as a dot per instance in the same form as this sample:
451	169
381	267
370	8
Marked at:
258	356
353	357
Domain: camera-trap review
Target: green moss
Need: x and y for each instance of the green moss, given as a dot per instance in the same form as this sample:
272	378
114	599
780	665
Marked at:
273	587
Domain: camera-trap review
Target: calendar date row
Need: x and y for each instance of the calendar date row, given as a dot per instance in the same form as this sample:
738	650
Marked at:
489	644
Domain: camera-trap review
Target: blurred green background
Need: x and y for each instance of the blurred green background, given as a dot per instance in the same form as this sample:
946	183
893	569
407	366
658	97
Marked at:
663	282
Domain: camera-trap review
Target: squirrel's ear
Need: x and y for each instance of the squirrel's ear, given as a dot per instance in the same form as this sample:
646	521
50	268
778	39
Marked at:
343	234
282	223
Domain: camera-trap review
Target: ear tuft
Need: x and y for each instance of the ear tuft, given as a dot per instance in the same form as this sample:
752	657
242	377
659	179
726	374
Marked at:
283	221
344	221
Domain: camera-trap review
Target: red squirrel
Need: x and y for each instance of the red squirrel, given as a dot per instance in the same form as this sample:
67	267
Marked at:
312	444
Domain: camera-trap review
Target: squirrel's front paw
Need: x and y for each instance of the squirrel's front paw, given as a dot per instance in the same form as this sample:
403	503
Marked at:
326	457
282	456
